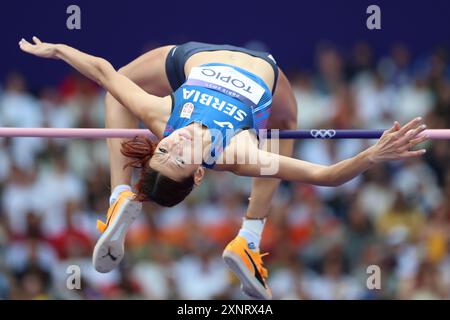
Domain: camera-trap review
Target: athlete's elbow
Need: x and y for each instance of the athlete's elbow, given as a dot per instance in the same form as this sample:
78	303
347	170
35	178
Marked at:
103	71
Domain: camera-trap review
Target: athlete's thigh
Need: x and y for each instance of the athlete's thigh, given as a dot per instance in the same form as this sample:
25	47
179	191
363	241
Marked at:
149	71
284	106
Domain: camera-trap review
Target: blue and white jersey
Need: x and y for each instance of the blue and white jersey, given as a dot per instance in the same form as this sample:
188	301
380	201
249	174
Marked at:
224	98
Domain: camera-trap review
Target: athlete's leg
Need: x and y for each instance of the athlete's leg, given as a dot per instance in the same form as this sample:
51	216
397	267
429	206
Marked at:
148	72
242	254
284	117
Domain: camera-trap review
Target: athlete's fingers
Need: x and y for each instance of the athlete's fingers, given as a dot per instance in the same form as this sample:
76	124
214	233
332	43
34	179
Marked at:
412	154
418	140
23	41
412	134
394	128
25	45
414	122
36	40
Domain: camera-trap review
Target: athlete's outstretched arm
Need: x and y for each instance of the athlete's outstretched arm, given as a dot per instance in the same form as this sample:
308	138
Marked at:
394	144
139	102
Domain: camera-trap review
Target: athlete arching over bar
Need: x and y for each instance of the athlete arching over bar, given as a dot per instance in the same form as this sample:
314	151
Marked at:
190	93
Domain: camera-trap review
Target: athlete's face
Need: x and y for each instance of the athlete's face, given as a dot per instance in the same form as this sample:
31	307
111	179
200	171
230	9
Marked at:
175	157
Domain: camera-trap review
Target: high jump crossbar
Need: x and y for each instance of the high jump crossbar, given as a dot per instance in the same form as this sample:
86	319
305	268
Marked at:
99	133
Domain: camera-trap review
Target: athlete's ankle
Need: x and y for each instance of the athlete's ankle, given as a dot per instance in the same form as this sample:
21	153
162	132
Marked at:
251	230
117	191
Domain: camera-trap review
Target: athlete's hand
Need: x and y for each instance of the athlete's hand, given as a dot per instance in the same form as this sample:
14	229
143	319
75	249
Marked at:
397	142
40	49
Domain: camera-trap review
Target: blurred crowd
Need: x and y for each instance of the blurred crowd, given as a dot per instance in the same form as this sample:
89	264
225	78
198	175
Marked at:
321	240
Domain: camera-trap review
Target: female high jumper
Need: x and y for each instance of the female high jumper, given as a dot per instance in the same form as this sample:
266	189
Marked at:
205	103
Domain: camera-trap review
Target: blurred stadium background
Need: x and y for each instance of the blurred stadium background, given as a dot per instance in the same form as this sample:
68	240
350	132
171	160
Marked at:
321	240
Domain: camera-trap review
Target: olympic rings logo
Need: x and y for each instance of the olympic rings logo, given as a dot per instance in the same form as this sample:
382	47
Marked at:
322	133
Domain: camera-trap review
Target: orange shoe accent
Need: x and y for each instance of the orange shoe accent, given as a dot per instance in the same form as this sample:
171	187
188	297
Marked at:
252	260
112	211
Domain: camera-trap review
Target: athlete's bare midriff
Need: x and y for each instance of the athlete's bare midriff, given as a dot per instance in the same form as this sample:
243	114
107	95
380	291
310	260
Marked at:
255	65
